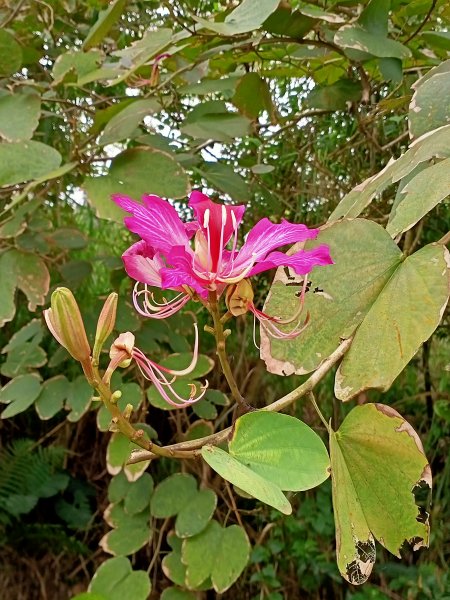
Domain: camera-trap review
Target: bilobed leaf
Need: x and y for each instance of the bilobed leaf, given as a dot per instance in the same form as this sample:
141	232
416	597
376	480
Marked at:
79	396
118	452
32	331
433	144
430	105
217	552
22	161
288	22
172	494
339	296
377	460
238	474
26	272
22	359
116	580
195	514
105	21
118	487
10	54
281	449
19	116
129	174
124	124
126	540
19	394
419	197
52	396
252	96
137	497
404	315
249	15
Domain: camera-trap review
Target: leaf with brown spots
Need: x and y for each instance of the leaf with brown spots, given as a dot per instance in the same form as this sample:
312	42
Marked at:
377	463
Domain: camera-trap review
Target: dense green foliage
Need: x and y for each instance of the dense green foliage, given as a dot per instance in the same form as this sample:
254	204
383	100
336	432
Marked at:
286	107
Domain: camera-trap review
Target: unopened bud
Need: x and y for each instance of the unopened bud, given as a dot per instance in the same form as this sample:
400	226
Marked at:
105	324
65	323
128	411
238	297
124	345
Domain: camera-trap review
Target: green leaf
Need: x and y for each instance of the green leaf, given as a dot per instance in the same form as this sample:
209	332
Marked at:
106	19
252	96
31	331
433	144
212	120
335	96
404	315
79	397
22	359
22	161
51	399
118	487
153	42
180	361
430	105
377	460
419	197
391	69
238	474
339	296
10	54
369	33
174	593
123	125
205	409
70	239
128	174
19	394
219	553
138	495
126	540
288	22
74	64
19	116
171	564
281	449
118	452
224	178
172	494
198	430
195	514
249	15
116	580
315	12
26	272
88	596
131	394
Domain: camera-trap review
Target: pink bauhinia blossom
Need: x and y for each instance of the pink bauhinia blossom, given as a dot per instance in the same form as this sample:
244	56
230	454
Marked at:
165	257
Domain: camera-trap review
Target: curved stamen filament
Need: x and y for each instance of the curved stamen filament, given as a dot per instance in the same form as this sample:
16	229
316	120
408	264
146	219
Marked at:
154	309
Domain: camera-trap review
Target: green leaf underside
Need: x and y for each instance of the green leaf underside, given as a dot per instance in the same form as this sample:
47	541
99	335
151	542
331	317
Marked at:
22	161
219	553
238	474
403	316
432	144
419	197
339	296
377	459
19	116
430	105
280	448
249	15
129	174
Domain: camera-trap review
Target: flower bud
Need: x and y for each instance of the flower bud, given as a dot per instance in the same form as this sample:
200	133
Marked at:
65	323
105	324
123	345
238	297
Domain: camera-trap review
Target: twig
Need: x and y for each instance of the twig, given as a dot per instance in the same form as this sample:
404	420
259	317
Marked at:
277	406
419	29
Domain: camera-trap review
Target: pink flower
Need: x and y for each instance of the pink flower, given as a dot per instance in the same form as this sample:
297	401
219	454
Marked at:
164	256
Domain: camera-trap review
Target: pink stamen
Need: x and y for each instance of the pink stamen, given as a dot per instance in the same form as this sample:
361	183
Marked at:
157	310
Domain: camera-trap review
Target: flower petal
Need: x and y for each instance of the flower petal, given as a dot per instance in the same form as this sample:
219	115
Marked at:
302	261
181	273
266	236
156	221
217	221
143	264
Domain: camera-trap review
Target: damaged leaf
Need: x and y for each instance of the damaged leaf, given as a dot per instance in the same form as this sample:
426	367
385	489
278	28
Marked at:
377	462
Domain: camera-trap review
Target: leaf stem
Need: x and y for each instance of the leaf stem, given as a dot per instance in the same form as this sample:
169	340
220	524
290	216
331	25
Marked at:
318	411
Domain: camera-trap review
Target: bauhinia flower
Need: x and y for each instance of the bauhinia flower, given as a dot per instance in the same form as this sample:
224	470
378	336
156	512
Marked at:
123	352
165	257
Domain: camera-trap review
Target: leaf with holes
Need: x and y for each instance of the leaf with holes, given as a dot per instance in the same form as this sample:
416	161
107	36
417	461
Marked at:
377	462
